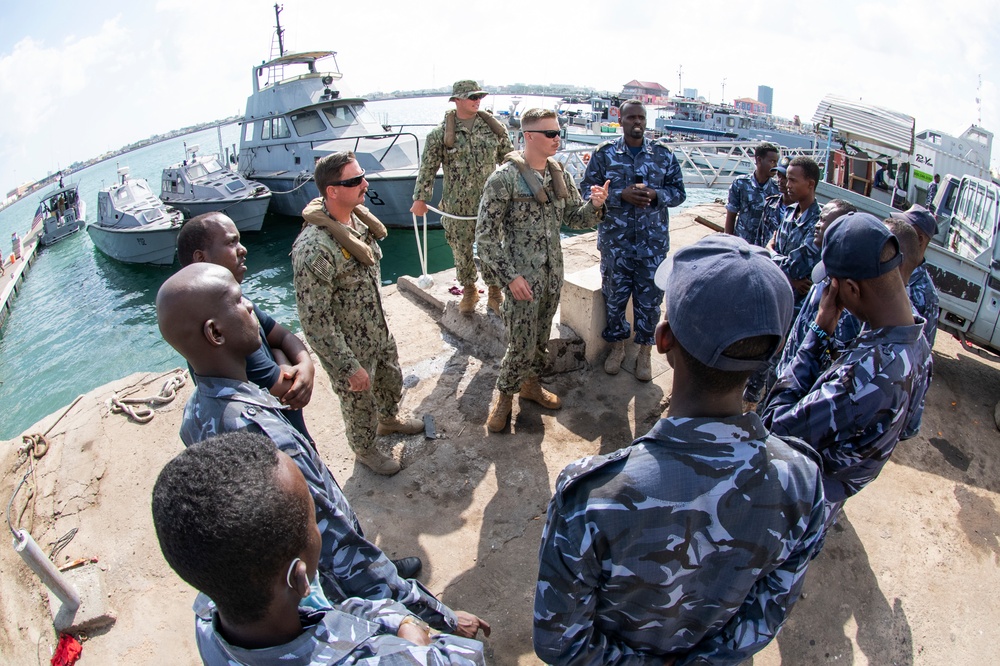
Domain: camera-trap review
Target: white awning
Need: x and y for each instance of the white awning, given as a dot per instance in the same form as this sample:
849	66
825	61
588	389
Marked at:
855	121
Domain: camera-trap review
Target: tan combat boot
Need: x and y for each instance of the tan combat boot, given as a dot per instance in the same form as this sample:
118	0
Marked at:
643	371
470	296
400	425
615	358
378	462
500	412
532	390
495	300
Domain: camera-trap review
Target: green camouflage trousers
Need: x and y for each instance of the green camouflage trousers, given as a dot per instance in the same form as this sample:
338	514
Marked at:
363	409
460	235
528	324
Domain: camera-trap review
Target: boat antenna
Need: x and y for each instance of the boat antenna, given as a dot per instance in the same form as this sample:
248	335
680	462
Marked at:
979	102
723	91
680	90
278	30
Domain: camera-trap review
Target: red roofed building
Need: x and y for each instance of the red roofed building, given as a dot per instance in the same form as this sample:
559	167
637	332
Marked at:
749	105
649	92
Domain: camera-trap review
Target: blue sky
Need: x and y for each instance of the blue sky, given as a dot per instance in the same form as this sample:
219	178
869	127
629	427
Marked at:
77	79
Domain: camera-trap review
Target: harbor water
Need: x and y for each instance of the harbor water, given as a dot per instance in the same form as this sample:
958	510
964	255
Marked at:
82	320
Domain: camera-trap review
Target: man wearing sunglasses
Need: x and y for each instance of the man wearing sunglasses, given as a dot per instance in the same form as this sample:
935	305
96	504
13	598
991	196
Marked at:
335	263
469	144
524	204
634	238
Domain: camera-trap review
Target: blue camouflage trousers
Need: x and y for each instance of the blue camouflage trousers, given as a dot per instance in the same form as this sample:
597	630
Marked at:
528	324
625	277
362	410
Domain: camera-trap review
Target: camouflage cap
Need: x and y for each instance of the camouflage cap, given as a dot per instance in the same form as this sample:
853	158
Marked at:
721	290
852	249
919	217
465	89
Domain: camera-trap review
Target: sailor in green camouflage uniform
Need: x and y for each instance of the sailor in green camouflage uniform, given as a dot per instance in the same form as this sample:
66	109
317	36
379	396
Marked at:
469	144
524	204
335	263
691	545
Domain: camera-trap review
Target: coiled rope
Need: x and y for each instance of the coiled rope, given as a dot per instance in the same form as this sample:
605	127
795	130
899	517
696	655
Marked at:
140	410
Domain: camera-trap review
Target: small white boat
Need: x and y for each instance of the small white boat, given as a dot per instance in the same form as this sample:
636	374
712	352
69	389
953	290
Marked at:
133	225
202	185
61	213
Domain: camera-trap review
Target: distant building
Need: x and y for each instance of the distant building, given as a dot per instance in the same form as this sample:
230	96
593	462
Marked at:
766	96
691	93
649	92
749	105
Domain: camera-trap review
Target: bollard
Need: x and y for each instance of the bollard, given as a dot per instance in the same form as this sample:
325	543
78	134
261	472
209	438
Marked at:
46	571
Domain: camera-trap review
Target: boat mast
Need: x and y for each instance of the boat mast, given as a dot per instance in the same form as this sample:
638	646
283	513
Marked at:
279	31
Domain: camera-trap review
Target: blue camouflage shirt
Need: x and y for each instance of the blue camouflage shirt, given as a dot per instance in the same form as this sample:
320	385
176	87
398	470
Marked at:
774	211
747	199
853	410
795	245
355	631
924	297
349	564
691	543
638	232
847	329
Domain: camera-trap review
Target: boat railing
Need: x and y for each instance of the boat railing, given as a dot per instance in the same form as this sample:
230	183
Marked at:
703	163
352	143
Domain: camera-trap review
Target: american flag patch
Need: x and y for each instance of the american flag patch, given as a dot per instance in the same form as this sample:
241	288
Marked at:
322	267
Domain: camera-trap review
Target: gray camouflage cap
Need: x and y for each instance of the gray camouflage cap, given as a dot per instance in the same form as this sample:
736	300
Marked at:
465	89
721	290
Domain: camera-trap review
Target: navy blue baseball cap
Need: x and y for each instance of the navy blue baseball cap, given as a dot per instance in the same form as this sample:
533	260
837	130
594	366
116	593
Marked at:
782	167
852	249
721	290
919	217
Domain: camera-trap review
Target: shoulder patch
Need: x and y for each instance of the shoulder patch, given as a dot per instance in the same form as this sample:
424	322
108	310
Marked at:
586	466
604	144
322	267
663	143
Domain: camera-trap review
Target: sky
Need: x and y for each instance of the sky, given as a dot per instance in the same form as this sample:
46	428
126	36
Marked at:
80	78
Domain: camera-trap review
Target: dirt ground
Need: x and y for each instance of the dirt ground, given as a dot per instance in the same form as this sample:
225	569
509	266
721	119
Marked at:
909	576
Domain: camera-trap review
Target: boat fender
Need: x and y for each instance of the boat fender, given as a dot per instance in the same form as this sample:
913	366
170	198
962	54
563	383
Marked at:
449	126
351	243
531	178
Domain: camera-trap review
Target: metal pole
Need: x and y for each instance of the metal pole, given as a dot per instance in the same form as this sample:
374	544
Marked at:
43	567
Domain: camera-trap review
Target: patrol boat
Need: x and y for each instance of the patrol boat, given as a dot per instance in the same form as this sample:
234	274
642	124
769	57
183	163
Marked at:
298	112
133	226
61	213
200	184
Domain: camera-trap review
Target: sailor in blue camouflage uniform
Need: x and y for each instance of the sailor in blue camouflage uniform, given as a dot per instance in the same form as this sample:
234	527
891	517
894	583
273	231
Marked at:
853	408
848	326
634	237
216	508
920	287
748	193
691	545
793	243
775	205
204	299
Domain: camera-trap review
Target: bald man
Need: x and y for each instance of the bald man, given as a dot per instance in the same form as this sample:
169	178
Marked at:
203	315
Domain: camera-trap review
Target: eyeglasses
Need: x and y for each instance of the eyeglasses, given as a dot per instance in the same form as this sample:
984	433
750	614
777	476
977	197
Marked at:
351	182
549	134
476	98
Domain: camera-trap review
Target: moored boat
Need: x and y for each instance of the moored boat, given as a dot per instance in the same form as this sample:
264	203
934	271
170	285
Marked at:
133	225
299	112
60	213
201	184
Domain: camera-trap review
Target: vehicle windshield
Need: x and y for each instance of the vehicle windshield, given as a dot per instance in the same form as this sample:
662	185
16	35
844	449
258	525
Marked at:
204	168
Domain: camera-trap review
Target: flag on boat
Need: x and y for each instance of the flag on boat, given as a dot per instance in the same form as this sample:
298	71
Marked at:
39	216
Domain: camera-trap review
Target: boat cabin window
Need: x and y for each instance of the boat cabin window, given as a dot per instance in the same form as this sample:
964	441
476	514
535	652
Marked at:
340	115
248	132
201	169
275	128
307	122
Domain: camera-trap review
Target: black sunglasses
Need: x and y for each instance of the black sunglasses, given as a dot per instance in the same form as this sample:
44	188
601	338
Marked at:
351	182
549	134
476	98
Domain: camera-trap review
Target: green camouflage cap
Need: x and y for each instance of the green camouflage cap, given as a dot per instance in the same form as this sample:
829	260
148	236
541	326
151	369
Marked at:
464	89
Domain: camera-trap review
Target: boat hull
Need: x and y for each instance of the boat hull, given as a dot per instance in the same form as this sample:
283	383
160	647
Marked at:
142	245
54	231
389	196
246	214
